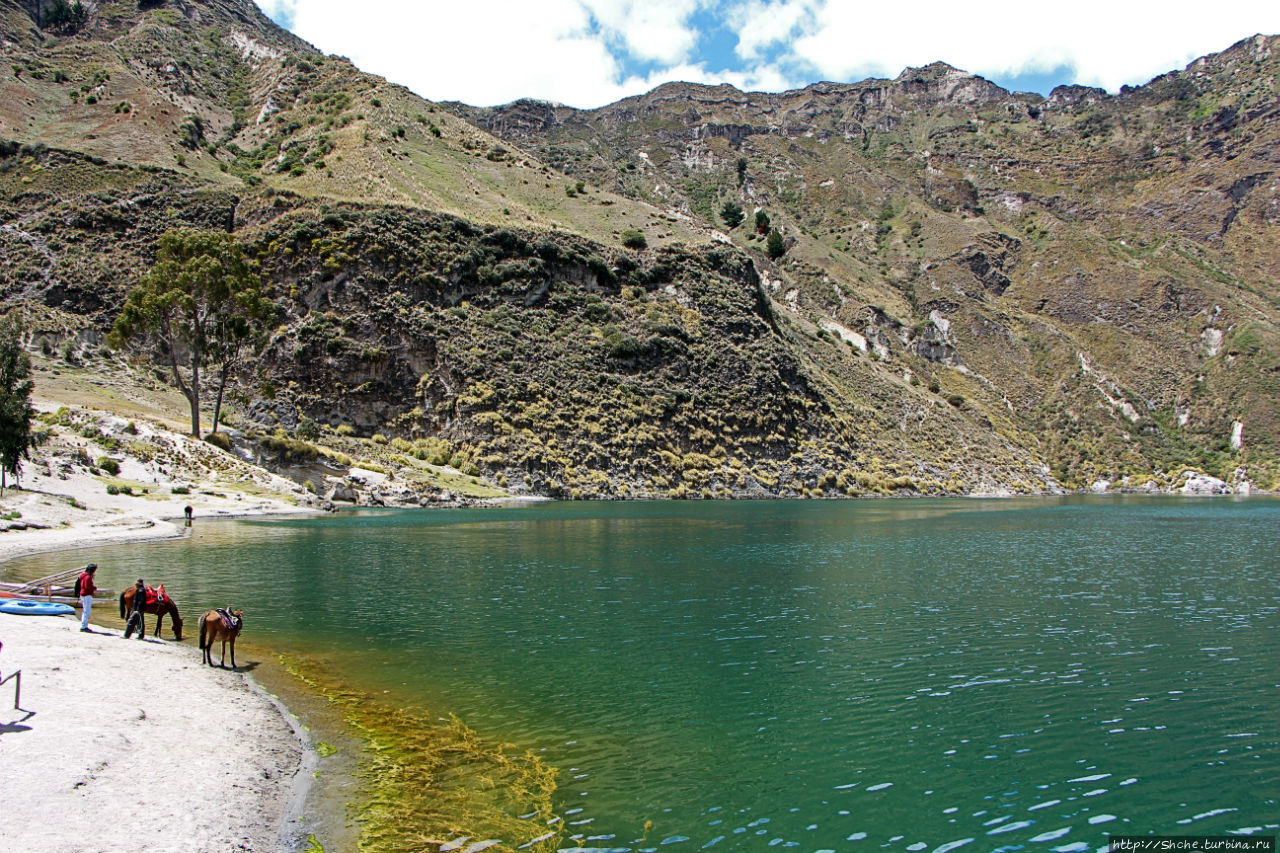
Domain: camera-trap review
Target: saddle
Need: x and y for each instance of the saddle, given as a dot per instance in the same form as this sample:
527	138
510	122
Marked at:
156	595
229	619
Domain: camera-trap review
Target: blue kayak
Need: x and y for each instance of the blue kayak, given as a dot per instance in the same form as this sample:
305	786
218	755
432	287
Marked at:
34	608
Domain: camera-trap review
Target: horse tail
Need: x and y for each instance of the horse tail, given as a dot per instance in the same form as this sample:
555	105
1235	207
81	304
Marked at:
203	645
122	605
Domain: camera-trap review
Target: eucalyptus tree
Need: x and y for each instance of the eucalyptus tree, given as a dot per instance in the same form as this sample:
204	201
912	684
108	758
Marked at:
16	438
201	306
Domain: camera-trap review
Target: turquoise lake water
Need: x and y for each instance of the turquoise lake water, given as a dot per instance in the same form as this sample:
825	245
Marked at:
904	674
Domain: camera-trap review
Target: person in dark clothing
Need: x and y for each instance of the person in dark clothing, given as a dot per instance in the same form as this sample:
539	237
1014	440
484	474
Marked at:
138	617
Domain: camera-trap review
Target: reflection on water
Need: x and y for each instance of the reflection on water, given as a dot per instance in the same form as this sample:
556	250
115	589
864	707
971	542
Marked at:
914	675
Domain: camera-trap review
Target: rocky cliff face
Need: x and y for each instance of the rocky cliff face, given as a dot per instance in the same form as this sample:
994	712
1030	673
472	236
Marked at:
982	291
1045	234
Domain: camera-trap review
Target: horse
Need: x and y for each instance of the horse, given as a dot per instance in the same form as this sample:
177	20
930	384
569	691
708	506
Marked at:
213	627
159	608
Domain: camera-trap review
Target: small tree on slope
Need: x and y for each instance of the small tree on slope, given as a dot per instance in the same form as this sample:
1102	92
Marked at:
201	306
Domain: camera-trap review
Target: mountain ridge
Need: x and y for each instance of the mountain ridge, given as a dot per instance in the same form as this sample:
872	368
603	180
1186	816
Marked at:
981	291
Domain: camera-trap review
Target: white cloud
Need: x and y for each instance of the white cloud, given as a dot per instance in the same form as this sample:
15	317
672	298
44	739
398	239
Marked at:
278	10
1107	43
652	30
761	24
584	52
481	53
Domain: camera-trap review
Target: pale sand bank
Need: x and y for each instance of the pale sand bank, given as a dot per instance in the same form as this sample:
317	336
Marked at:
124	745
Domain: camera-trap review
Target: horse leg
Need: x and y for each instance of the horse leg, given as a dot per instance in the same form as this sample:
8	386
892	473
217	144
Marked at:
159	619
204	649
233	651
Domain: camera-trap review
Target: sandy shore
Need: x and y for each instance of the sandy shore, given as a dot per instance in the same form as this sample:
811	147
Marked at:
127	745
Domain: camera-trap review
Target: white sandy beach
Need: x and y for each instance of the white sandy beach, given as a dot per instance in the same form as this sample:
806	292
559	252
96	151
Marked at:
135	746
121	745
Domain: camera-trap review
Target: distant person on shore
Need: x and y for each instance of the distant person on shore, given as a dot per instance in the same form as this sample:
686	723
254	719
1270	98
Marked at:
188	512
85	588
139	612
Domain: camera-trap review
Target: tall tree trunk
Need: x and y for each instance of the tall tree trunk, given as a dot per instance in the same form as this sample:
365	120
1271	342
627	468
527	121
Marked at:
224	373
191	392
194	396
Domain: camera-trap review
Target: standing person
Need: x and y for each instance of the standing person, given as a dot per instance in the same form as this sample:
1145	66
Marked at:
187	510
85	588
139	611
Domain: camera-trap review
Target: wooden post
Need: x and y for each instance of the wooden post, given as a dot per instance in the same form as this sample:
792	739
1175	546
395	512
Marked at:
16	677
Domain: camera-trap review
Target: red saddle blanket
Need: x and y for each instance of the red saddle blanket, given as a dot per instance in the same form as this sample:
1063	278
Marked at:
156	595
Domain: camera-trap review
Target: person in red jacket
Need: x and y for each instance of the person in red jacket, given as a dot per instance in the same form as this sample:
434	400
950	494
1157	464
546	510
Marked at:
85	588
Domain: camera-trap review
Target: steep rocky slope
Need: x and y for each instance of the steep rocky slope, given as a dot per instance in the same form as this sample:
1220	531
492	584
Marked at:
982	291
1102	265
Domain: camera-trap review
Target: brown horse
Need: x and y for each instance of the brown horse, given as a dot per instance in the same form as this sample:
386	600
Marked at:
159	607
214	627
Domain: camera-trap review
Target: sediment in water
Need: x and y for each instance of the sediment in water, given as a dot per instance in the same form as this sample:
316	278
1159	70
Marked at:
427	782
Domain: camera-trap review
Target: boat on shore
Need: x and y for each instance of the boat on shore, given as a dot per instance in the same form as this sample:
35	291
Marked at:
58	589
26	607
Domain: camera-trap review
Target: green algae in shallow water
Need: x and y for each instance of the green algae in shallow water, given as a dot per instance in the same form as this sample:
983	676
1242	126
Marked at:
428	781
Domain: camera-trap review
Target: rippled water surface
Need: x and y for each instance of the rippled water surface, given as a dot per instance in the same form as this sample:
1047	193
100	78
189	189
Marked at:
912	675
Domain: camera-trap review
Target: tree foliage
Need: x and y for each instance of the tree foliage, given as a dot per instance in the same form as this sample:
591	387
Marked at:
16	439
64	17
762	222
201	305
775	246
732	214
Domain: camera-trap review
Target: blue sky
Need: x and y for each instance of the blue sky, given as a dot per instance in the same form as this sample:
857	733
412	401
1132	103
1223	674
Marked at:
587	53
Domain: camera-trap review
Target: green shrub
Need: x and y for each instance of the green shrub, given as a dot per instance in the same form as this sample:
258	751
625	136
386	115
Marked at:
180	490
732	214
111	466
290	449
775	246
307	428
113	489
624	346
219	440
633	239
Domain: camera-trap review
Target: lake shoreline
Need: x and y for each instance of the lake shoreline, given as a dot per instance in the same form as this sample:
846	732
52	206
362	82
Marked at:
118	722
82	690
